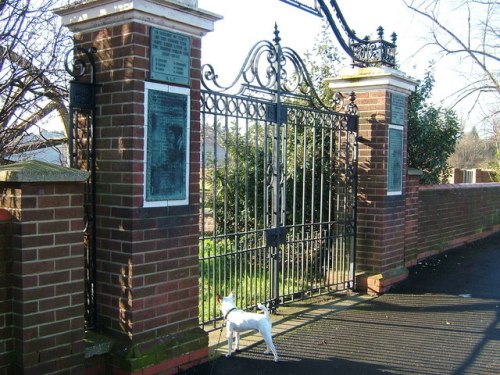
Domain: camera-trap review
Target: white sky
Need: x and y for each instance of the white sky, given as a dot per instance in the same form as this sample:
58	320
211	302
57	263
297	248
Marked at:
248	21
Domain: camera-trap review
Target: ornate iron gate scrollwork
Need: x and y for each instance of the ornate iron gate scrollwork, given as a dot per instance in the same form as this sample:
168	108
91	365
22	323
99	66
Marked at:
82	156
278	185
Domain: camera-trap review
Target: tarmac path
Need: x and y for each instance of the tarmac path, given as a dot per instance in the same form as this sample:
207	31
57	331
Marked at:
444	319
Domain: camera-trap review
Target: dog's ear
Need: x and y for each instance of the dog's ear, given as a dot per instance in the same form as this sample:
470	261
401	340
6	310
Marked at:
218	297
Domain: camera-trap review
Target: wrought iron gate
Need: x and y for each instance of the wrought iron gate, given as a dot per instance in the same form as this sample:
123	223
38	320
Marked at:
278	185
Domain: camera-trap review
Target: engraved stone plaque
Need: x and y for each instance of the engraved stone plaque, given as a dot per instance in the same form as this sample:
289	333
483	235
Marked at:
170	57
395	162
167	168
398	109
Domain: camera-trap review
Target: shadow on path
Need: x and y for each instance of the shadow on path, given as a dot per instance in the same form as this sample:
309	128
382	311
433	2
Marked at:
444	319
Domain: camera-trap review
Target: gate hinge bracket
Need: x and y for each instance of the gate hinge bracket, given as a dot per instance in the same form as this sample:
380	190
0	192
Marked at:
272	113
352	123
275	236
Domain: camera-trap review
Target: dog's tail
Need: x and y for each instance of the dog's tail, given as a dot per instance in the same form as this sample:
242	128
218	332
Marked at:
264	308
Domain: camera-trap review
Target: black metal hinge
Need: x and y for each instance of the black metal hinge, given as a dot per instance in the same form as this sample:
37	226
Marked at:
275	236
272	113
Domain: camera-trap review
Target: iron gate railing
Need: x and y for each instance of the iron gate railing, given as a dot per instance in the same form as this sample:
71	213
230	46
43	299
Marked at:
82	156
278	185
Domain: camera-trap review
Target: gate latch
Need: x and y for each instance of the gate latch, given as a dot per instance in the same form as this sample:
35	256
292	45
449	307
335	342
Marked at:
275	236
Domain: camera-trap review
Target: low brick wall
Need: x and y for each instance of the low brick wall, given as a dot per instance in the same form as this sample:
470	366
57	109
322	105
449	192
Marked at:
41	269
6	339
452	215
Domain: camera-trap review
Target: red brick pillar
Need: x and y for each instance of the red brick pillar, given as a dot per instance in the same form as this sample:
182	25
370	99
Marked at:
147	246
381	96
45	275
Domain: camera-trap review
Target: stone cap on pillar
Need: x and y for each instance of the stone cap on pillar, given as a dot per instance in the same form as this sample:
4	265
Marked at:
414	172
372	79
181	15
39	171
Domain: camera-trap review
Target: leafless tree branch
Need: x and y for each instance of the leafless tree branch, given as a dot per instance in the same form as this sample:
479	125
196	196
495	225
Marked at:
477	43
32	78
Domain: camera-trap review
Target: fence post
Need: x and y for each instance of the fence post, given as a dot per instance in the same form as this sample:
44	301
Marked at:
382	98
147	180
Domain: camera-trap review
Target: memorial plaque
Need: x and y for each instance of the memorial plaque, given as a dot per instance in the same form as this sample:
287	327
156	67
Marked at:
170	57
167	149
395	162
398	106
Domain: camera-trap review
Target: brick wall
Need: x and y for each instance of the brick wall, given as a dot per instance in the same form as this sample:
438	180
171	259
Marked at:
411	220
46	277
452	215
6	340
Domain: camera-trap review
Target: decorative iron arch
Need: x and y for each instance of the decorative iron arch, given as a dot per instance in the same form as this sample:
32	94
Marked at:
363	52
269	70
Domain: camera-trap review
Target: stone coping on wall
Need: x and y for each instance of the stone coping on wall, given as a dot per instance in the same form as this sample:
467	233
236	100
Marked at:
460	186
39	171
414	172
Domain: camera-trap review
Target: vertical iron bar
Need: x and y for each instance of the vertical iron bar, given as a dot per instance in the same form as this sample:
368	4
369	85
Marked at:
265	208
355	207
201	246
282	185
216	262
276	197
295	252
245	207
225	183
303	208
235	254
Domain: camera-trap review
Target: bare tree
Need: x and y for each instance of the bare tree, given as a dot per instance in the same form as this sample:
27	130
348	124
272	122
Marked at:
471	152
32	77
468	30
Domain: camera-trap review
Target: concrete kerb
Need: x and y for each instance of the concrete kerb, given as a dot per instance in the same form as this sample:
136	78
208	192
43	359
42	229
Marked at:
288	318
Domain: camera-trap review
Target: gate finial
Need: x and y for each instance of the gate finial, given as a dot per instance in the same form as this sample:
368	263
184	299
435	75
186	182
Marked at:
277	38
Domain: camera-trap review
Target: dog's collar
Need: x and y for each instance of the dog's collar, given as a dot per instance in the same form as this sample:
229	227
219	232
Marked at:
230	310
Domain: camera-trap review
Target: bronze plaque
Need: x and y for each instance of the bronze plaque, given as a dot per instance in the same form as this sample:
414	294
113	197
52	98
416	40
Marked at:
398	109
170	57
167	146
395	161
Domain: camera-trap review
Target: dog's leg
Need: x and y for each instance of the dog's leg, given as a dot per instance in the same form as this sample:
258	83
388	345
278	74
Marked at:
270	346
237	348
229	343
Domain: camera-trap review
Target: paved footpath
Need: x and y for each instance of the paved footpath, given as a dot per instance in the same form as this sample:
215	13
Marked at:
444	319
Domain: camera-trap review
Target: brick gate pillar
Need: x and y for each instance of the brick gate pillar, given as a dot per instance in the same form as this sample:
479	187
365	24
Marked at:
382	99
147	183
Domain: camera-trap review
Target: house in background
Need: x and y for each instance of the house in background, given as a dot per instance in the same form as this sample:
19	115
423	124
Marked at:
47	146
471	176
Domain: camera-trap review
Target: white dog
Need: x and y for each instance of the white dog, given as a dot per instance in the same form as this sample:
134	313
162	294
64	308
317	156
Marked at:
238	321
